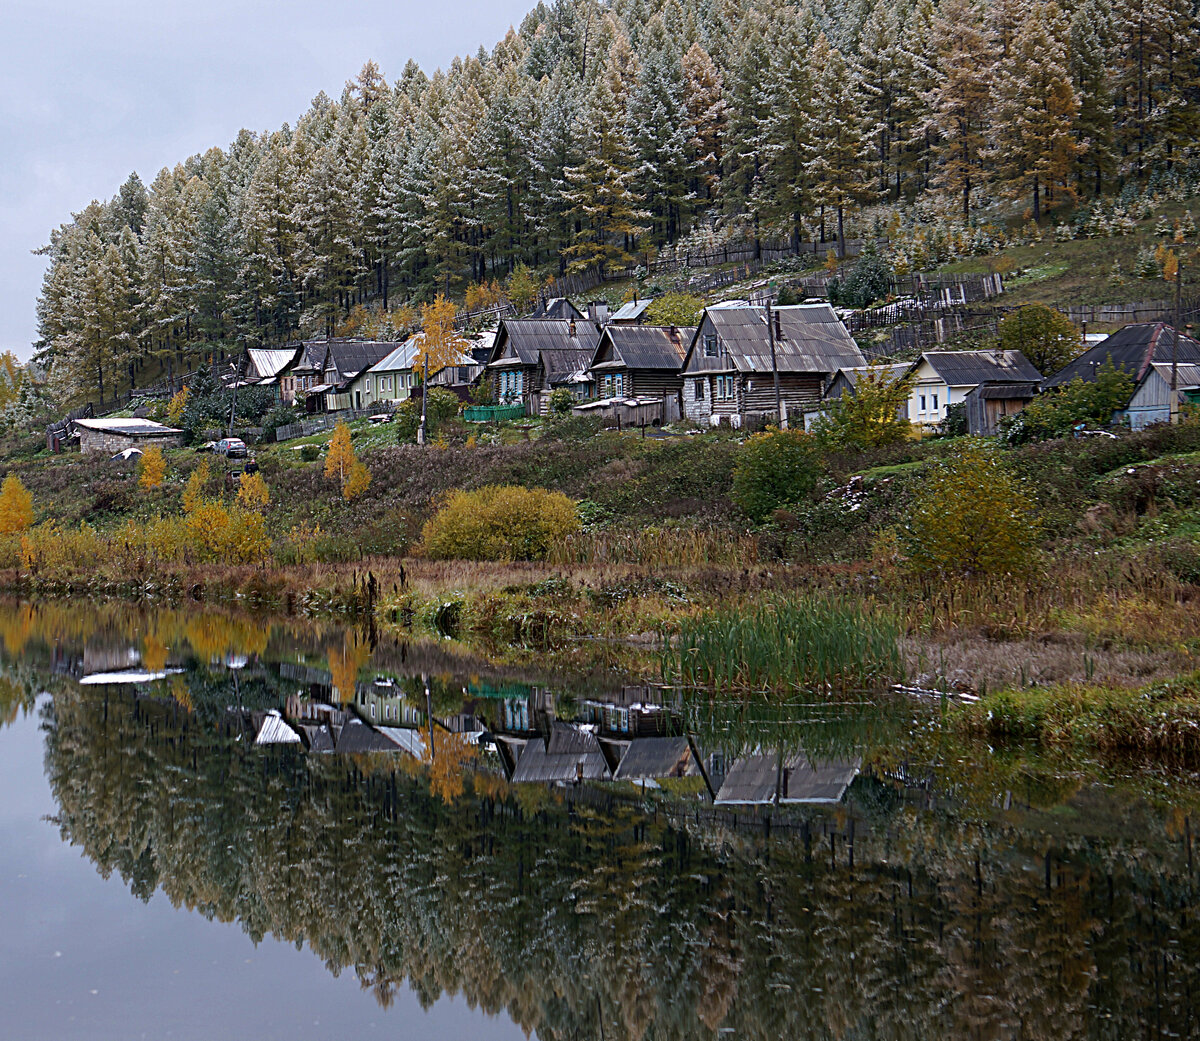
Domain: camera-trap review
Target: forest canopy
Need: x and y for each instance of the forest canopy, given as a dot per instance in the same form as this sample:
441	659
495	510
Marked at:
598	132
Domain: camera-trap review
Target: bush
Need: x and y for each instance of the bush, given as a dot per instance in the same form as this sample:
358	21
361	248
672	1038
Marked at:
440	406
972	515
872	415
1045	336
775	470
499	522
279	416
569	427
1056	412
870	280
561	402
310	453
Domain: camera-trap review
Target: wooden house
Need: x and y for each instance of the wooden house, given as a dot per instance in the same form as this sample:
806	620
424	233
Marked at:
944	378
558	307
532	356
568	755
303	372
345	361
1132	349
728	374
845	383
989	403
1151	401
766	778
640	361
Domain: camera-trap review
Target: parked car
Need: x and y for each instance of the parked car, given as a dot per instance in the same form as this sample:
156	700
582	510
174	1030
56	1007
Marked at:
231	448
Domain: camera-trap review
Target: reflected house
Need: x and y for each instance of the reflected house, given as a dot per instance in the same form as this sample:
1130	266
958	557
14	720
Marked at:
318	737
773	777
385	703
274	730
636	711
356	737
570	754
653	758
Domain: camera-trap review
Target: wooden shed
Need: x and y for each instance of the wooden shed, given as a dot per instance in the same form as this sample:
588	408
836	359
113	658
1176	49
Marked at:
988	403
1151	401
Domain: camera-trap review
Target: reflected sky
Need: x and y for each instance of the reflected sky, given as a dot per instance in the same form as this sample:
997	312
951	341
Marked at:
82	958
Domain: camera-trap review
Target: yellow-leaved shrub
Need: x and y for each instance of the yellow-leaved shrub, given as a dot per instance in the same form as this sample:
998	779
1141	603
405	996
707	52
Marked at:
499	522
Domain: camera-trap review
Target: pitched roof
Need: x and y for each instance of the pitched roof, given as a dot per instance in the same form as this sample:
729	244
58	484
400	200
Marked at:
851	374
1005	391
645	346
762	778
1187	374
264	363
1131	349
275	731
653	757
350	357
558	307
633	310
969	368
550	340
356	736
568	755
402	357
813	339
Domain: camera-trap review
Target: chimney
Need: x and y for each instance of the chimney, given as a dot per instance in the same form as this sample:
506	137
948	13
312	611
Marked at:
572	328
778	327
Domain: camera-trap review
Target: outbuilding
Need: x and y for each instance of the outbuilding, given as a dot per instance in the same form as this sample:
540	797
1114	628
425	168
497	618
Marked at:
110	436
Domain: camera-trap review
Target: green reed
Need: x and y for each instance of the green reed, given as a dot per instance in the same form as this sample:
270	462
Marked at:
783	645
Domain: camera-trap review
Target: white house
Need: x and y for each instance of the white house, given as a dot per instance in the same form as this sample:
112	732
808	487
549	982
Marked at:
945	378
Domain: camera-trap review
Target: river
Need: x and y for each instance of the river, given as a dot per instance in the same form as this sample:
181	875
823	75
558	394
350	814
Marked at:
493	852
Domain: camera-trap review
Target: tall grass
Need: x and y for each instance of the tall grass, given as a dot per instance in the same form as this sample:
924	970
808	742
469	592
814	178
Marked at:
657	547
784	645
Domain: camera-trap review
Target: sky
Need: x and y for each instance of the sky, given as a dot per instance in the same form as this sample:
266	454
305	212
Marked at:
91	90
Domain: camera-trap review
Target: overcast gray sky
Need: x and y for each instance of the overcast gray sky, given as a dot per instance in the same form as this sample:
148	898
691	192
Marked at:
93	89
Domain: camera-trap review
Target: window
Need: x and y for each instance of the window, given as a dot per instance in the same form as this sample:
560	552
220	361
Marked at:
935	404
710	345
367	388
923	409
700	389
725	388
464	374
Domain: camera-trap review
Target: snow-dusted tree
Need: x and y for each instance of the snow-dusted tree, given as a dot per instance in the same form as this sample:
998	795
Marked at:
707	114
838	151
961	101
1035	108
606	208
1091	52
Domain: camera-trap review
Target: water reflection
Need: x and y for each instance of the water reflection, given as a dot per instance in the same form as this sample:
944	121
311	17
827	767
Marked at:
898	900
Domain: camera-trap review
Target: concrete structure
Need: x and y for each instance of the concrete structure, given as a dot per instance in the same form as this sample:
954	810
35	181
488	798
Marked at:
110	436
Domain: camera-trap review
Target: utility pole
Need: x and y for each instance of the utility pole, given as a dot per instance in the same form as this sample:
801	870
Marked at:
1175	339
237	369
424	398
779	412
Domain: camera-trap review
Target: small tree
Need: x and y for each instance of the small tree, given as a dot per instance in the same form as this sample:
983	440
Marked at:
499	523
561	401
253	492
16	506
870	280
358	481
1056	412
340	457
440	341
176	407
522	288
775	470
193	491
1045	336
871	415
152	467
972	516
682	309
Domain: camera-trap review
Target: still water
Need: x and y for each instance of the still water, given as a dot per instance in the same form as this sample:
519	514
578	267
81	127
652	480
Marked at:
498	853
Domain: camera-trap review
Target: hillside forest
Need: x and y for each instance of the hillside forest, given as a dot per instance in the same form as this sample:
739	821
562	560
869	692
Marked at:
597	134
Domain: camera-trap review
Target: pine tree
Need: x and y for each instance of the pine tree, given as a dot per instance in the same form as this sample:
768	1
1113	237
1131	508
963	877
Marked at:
961	101
1035	109
707	115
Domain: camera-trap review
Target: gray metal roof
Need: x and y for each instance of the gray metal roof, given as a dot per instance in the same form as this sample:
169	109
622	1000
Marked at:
350	357
1131	349
1006	391
569	755
643	346
633	310
1187	375
969	368
131	427
264	363
813	340
653	757
527	338
356	736
318	736
558	307
851	375
761	778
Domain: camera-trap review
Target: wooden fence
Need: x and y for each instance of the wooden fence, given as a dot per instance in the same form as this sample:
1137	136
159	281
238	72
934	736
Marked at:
323	421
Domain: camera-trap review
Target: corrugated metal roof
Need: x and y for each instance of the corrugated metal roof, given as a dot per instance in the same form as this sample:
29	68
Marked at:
1131	349
654	757
558	307
530	338
969	368
1187	374
759	778
852	374
1006	391
356	736
813	339
350	357
407	739
632	311
318	736
267	362
570	754
275	731
644	346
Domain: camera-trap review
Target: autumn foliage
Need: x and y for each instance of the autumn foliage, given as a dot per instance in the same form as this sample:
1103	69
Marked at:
152	467
500	522
16	506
